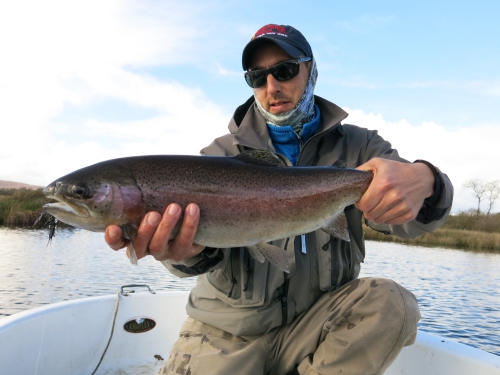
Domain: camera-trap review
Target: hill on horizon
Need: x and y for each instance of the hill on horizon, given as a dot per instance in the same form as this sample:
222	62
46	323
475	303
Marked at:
17	185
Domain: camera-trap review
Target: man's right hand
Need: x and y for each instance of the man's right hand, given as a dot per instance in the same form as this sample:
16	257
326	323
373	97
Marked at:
155	232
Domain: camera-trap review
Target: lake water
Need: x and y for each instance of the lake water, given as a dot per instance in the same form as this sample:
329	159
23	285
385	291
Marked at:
458	291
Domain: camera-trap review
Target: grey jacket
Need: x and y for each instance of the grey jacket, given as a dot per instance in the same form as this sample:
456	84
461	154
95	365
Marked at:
244	297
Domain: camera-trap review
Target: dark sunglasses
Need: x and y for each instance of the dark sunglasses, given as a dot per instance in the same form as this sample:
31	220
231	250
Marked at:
282	71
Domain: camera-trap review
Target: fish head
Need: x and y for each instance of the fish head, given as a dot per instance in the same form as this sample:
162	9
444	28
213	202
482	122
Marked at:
94	197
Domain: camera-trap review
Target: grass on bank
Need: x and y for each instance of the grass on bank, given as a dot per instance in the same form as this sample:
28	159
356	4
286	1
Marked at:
464	230
20	207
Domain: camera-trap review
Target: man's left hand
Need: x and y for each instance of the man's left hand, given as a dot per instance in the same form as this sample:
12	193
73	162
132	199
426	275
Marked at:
397	191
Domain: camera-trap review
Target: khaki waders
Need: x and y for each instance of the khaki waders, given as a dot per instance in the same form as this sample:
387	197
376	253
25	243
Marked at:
358	329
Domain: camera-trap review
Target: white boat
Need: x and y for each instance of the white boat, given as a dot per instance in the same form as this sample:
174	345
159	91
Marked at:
74	338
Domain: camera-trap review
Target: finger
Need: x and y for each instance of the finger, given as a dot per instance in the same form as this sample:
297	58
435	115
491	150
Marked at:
159	244
145	233
114	237
370	200
387	217
182	246
394	211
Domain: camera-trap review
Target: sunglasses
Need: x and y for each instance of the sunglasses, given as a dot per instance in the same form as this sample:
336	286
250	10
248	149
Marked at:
282	71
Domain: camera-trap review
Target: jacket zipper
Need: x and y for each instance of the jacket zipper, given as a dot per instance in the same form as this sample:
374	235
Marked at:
283	297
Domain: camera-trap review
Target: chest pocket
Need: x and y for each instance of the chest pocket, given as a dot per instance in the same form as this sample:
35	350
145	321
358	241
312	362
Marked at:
243	281
339	261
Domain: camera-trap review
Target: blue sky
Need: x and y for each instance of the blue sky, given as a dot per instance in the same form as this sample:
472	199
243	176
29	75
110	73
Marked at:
81	82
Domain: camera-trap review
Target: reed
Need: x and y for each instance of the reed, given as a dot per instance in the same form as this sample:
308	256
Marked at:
20	207
445	237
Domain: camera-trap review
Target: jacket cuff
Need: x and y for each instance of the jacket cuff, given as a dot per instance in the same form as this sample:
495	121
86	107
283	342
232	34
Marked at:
201	263
429	211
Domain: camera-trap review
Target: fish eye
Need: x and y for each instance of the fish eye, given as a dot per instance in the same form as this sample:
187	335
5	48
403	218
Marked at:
80	190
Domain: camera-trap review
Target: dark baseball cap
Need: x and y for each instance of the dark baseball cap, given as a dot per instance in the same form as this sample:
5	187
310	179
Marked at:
290	39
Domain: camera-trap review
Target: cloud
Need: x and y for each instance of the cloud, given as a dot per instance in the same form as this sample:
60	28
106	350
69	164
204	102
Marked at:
226	72
488	87
462	154
78	53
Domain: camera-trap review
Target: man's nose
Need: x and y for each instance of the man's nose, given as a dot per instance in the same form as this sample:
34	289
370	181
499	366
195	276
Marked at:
273	85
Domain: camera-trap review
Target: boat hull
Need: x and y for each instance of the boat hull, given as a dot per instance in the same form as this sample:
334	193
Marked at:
70	338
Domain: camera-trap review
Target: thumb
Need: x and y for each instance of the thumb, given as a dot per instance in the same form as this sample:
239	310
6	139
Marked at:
369	166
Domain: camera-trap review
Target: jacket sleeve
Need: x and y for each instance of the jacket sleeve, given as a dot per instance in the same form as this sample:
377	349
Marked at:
434	210
208	260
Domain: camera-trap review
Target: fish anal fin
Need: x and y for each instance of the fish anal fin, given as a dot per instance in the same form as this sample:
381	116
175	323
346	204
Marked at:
337	227
255	253
276	256
130	233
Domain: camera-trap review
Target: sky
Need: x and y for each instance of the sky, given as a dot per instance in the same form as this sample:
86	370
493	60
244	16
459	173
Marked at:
86	81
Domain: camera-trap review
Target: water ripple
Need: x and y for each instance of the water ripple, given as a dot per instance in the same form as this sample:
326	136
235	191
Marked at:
457	290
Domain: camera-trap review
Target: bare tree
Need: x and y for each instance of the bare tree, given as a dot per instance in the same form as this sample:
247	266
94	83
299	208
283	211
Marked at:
492	193
479	189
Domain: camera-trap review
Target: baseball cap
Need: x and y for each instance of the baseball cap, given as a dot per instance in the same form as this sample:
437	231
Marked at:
287	37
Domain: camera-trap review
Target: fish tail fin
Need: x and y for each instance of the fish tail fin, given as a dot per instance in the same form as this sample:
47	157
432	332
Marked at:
337	227
130	233
277	257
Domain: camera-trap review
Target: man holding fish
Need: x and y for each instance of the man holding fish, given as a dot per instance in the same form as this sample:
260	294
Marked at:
248	317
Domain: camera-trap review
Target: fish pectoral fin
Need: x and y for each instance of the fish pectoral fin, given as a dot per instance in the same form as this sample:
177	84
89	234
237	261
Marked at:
337	227
264	157
276	256
130	233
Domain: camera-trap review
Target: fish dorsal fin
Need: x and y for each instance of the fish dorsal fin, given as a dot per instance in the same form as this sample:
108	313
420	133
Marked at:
337	227
264	157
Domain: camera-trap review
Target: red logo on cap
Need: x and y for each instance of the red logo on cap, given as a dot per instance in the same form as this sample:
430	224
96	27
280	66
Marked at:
270	29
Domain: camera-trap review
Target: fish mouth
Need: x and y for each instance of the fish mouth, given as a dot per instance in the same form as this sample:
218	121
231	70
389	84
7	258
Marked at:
66	207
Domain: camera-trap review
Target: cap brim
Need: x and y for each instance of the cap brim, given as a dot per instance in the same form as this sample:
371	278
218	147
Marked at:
254	44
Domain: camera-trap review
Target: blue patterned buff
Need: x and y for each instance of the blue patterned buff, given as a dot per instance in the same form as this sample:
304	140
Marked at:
302	113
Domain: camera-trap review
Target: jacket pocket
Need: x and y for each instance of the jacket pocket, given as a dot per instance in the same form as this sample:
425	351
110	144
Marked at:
338	261
243	281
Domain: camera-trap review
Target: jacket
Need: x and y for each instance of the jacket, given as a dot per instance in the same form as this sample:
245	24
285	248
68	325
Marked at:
244	297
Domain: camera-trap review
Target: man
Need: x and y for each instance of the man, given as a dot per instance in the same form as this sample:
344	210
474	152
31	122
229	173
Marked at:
251	318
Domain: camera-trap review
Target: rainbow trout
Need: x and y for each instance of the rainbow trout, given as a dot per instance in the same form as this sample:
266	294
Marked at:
246	200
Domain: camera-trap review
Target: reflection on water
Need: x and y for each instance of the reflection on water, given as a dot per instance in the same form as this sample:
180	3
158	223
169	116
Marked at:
77	264
457	290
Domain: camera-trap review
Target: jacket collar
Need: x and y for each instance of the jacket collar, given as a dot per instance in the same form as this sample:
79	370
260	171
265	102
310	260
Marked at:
250	129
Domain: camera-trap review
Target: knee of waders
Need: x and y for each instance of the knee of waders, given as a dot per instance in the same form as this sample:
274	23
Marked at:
396	306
